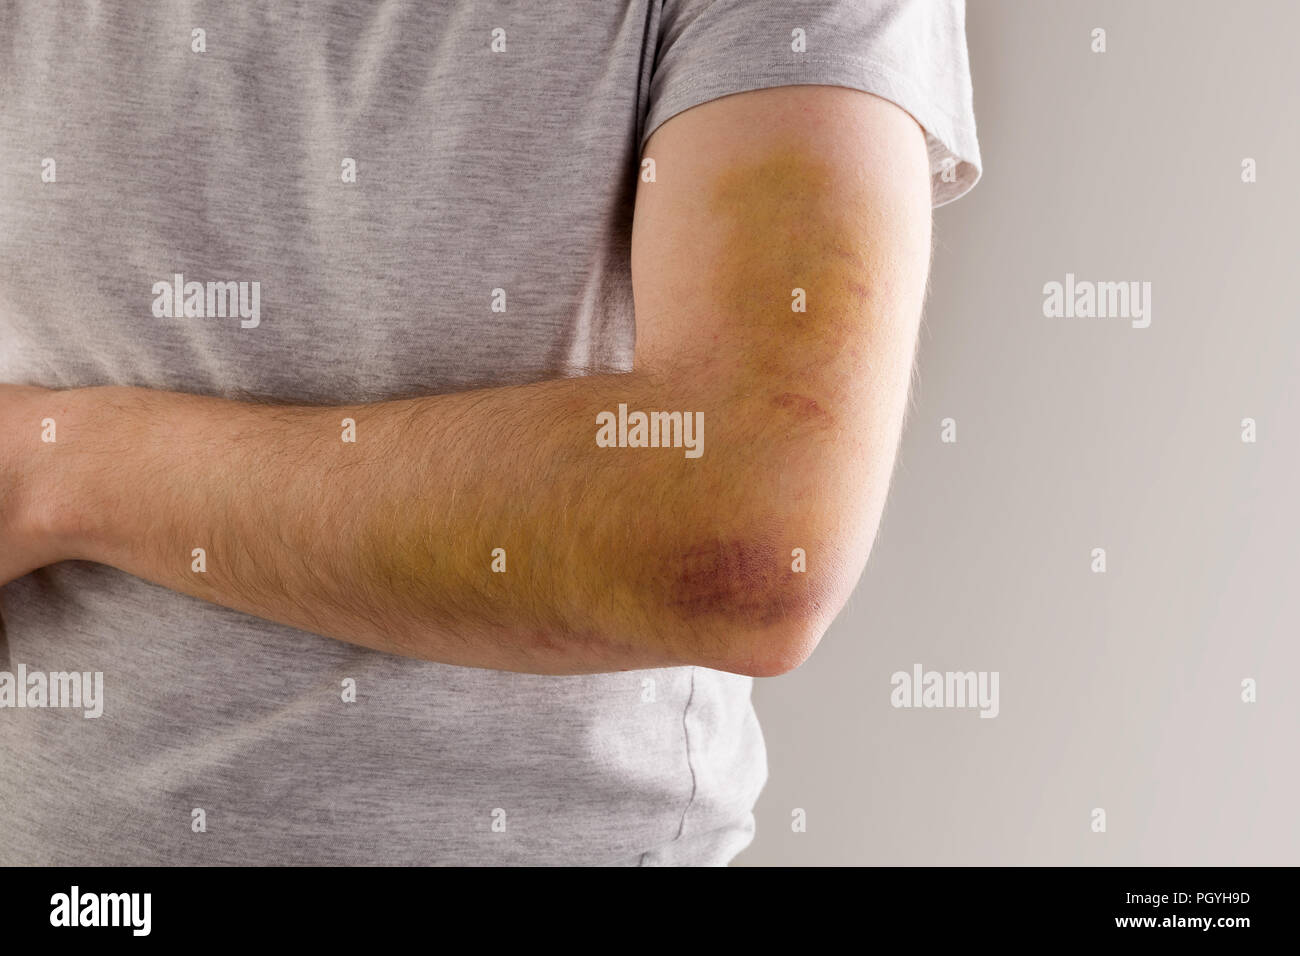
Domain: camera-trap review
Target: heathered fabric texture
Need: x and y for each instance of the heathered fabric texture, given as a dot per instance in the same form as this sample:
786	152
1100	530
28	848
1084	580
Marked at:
476	170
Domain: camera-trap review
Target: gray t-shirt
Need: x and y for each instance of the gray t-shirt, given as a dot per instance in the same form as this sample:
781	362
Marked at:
496	146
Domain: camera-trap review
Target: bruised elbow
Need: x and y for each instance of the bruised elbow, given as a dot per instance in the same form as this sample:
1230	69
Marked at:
776	543
756	606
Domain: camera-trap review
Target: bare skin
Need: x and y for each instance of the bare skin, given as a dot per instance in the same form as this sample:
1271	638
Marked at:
617	558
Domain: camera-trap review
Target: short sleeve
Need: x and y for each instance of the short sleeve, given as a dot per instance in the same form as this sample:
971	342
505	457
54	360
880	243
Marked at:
910	52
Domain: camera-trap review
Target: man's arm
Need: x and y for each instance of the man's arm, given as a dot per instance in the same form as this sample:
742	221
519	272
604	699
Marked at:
616	558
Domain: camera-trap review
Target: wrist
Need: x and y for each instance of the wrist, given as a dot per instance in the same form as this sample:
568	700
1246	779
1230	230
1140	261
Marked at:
72	475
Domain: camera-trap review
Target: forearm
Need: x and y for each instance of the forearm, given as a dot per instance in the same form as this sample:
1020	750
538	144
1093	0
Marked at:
614	557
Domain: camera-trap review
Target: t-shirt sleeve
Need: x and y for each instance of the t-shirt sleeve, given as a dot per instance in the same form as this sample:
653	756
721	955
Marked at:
910	52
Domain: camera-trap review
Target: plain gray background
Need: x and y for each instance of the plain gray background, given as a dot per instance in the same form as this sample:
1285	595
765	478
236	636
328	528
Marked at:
1119	690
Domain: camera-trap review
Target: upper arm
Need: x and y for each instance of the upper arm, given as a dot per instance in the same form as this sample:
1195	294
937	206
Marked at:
758	195
820	188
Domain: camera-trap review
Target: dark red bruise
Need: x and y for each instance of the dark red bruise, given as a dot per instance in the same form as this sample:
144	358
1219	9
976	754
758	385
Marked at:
735	580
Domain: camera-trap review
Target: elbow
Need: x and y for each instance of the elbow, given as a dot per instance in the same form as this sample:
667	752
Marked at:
758	605
778	652
769	552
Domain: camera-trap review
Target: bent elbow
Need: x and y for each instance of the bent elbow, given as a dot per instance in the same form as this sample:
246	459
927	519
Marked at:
770	555
778	653
758	606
